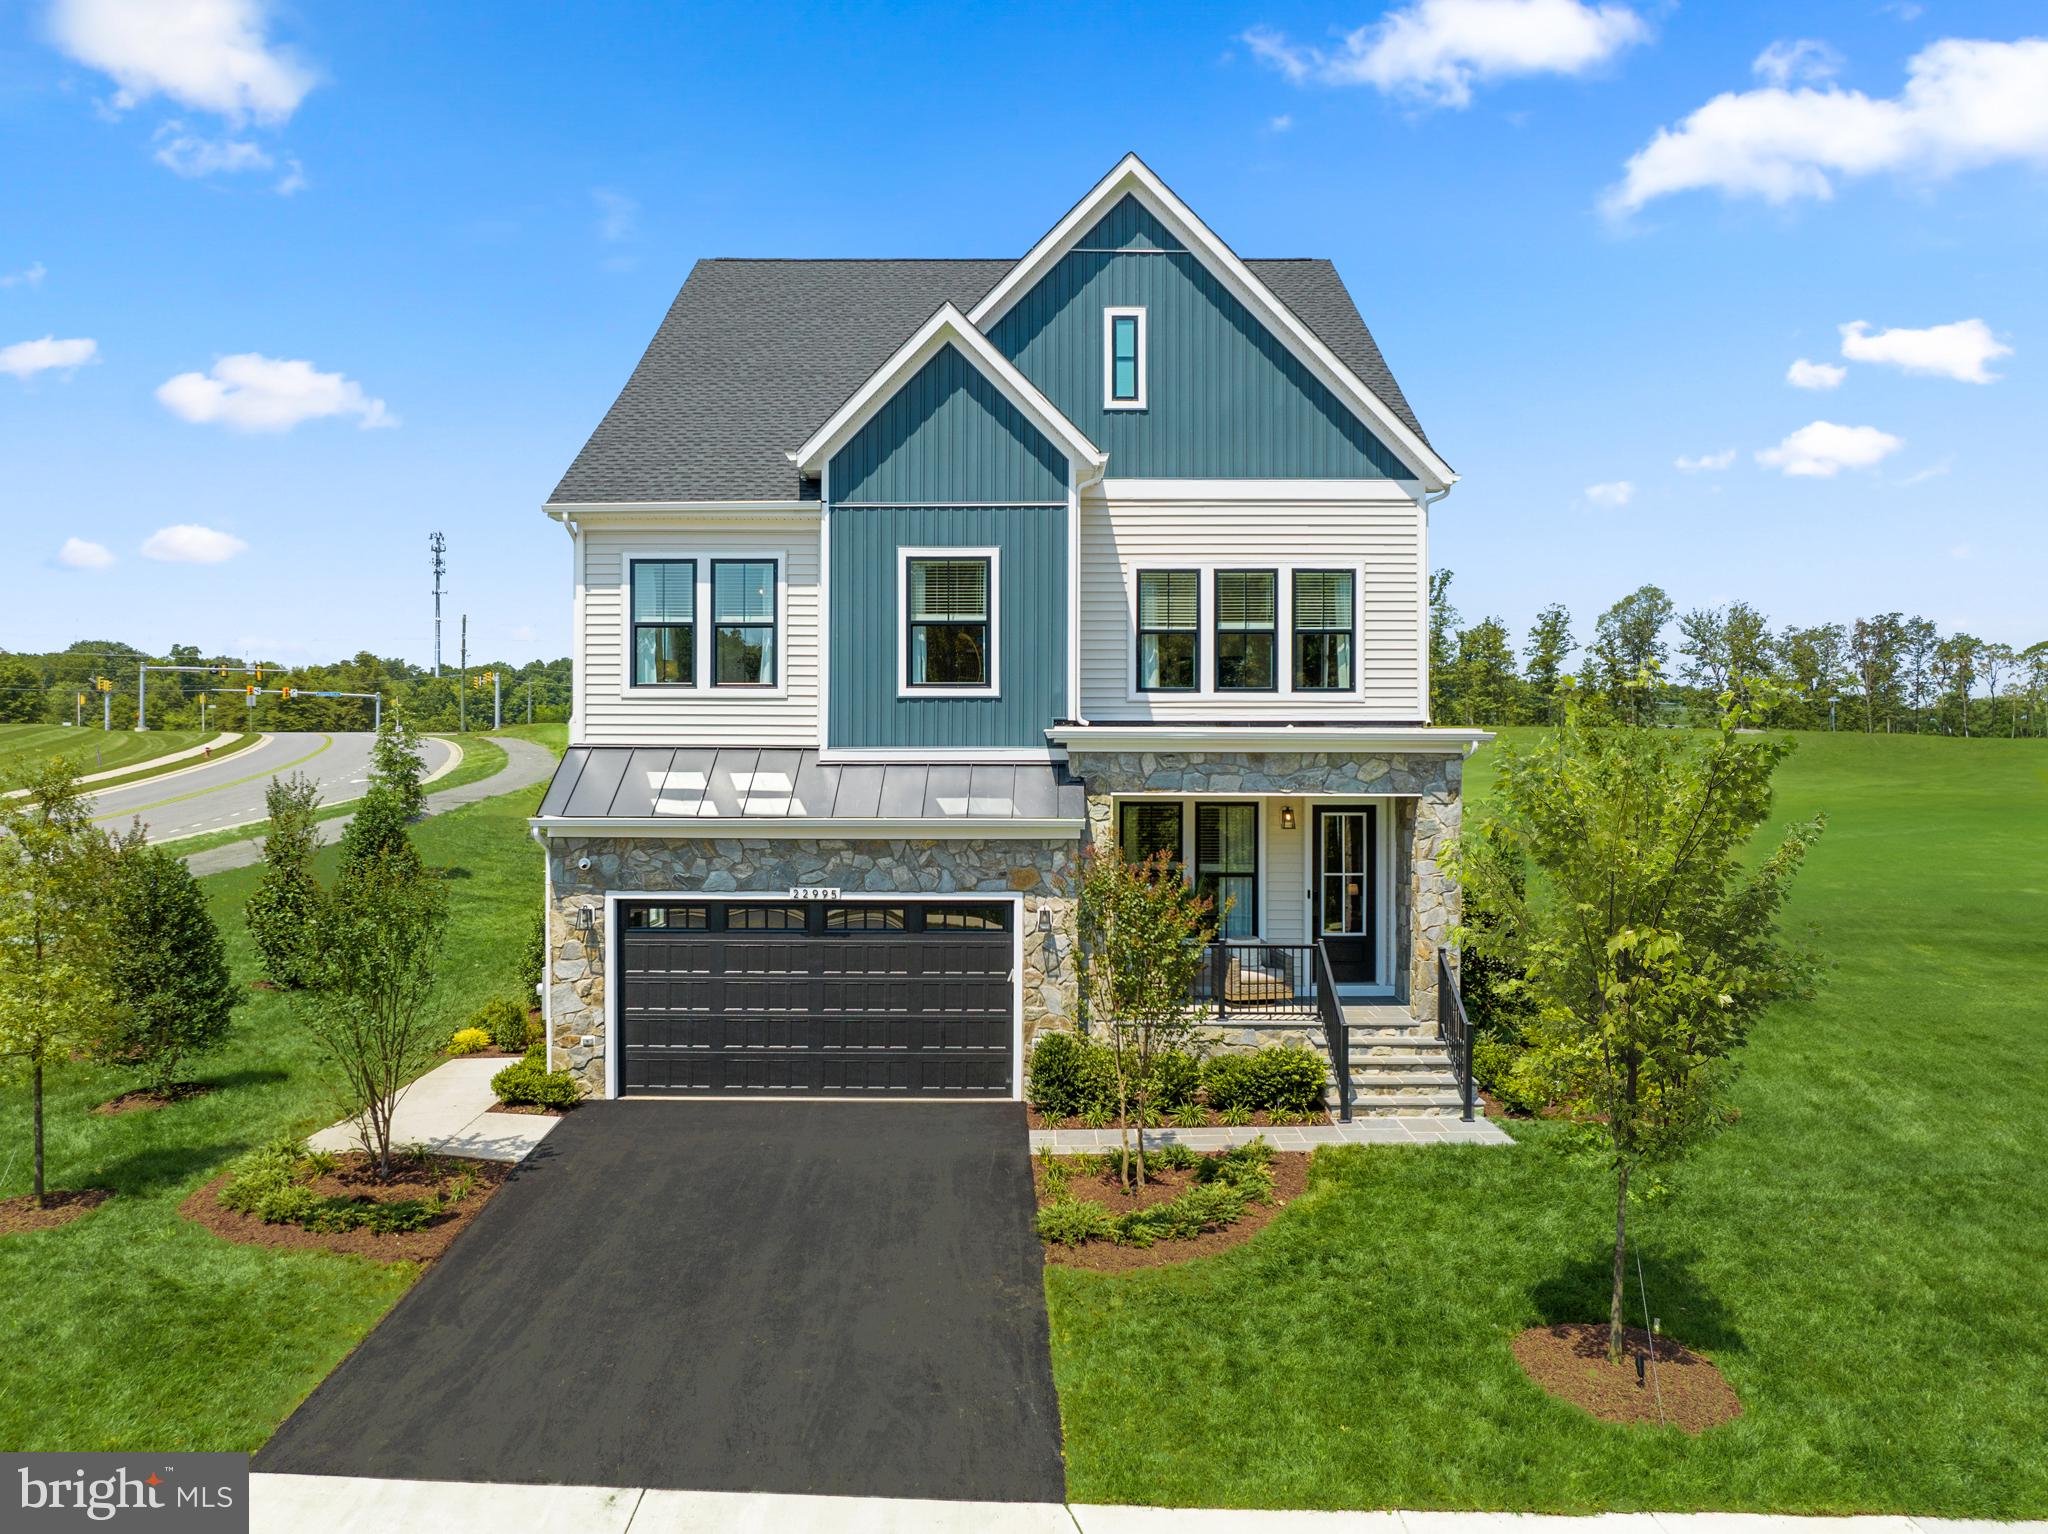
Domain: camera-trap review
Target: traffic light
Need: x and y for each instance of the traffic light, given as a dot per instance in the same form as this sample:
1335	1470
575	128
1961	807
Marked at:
259	676
101	684
284	692
250	691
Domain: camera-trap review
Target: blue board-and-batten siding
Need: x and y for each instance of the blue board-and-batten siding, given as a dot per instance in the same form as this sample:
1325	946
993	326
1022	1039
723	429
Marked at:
1225	398
866	611
948	436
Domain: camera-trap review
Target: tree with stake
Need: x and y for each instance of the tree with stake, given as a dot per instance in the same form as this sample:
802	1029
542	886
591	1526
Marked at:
285	907
1144	935
167	966
1612	879
54	936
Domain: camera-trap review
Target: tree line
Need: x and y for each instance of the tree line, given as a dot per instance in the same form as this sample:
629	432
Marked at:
1885	674
44	688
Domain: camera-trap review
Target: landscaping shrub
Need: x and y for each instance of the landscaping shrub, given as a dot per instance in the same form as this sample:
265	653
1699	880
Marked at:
284	911
1069	1076
1176	1077
1495	1066
1069	1221
1277	1079
1189	1115
270	1183
1172	1156
469	1041
504	1019
530	1082
1223	1186
169	971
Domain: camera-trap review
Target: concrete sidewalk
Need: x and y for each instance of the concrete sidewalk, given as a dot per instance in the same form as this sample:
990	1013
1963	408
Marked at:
448	1110
303	1504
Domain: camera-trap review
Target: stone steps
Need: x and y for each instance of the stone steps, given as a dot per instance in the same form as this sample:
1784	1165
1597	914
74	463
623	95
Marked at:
1398	1067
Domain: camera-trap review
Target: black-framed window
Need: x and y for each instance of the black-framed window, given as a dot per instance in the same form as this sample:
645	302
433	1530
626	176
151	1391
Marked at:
1144	830
1325	626
967	918
664	607
947	613
1126	364
1169	630
866	918
672	918
743	622
1227	865
766	918
1247	630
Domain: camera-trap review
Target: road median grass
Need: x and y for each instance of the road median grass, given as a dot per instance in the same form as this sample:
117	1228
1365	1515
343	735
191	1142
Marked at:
90	749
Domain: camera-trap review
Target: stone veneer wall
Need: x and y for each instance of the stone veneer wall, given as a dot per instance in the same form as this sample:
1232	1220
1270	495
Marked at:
1426	816
1042	871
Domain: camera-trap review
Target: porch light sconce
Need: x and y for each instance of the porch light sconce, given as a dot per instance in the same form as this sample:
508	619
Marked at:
1045	918
1287	817
586	920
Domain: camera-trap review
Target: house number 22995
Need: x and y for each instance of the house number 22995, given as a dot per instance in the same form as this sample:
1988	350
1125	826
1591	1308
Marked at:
814	892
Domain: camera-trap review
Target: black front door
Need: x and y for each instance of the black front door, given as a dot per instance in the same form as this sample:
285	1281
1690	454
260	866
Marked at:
1345	910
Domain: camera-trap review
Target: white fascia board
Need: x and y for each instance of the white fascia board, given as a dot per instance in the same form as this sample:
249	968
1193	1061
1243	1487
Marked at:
1232	492
1133	176
946	327
605	511
709	827
1110	737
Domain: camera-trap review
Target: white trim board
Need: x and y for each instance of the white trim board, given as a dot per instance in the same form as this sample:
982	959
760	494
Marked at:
1109	736
1207	635
993	687
703	627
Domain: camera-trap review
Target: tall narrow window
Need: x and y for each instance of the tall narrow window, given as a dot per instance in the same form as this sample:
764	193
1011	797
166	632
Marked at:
1324	622
664	622
1123	359
1227	865
1169	629
743	622
1149	829
1247	620
948	616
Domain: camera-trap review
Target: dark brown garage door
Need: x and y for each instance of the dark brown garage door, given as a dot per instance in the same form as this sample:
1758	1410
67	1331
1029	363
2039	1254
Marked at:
749	997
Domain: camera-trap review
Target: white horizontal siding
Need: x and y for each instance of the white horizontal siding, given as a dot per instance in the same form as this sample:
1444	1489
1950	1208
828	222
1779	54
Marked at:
700	716
1286	872
1383	537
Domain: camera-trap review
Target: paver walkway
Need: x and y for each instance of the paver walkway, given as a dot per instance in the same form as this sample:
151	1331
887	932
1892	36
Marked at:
525	764
1405	1129
448	1110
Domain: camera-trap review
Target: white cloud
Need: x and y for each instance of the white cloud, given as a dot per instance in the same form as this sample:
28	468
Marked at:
293	180
1805	60
1934	470
29	277
1823	449
1706	462
1436	50
251	392
1815	375
193	155
617	214
208	55
25	359
1960	551
1965	104
1281	123
80	554
1957	351
188	544
1612	494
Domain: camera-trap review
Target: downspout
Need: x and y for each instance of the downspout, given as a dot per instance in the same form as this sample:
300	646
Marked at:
1427	499
1081	487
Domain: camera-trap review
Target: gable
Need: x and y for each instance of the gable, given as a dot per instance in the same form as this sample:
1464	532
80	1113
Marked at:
948	436
1226	398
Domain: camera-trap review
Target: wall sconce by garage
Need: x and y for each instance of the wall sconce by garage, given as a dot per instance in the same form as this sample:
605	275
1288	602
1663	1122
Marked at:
1045	918
1287	817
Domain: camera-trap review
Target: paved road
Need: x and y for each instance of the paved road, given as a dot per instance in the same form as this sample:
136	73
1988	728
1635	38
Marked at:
840	1299
229	792
525	765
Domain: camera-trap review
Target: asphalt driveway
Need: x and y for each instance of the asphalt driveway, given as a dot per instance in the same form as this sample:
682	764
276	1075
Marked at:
834	1298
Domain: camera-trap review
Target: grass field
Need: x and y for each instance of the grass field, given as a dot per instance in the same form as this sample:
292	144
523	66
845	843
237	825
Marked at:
1863	1253
132	1328
89	749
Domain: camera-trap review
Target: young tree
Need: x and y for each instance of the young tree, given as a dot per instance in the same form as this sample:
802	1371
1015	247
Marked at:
1144	935
167	966
54	934
1612	878
285	907
380	939
1628	650
1550	645
393	800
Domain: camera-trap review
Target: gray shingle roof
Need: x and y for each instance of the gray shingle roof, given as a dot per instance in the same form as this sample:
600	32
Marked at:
754	356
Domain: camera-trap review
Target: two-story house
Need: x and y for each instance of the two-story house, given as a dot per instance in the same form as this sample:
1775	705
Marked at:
900	582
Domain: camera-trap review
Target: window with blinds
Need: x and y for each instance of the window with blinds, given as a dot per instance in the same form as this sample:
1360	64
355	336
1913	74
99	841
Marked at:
743	622
1325	623
947	640
664	618
1227	865
1146	830
1247	630
1169	630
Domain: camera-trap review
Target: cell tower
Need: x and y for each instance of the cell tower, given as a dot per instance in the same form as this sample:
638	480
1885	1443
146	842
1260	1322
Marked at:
438	544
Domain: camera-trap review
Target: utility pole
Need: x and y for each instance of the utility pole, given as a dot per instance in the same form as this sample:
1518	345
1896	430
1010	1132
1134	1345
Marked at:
462	692
497	709
529	700
437	545
78	711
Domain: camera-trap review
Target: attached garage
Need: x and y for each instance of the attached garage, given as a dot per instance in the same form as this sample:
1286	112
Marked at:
768	997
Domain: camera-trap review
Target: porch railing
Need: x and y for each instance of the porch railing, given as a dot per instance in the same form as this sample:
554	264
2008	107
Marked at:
1456	1031
1336	1030
1280	983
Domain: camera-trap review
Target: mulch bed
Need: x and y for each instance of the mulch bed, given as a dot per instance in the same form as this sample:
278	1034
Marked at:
1259	1120
60	1207
536	1108
143	1099
1290	1179
352	1177
1680	1388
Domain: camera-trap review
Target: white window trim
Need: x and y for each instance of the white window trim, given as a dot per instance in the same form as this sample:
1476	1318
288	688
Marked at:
1206	689
701	660
904	555
1109	399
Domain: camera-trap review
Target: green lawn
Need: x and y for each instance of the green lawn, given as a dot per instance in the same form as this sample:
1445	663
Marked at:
132	1328
90	749
1863	1253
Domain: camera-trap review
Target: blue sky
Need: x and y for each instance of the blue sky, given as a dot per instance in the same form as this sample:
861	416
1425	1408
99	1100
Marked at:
462	223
